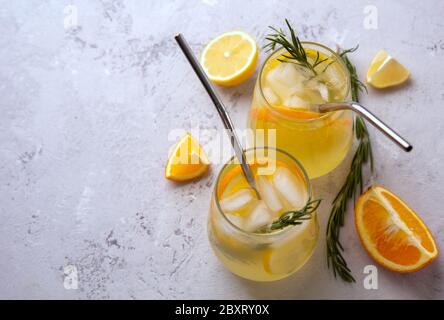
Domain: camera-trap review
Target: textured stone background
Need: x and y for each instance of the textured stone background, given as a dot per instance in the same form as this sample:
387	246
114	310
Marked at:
86	110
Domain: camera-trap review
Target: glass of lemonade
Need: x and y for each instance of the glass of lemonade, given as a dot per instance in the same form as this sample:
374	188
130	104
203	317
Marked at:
238	224
282	94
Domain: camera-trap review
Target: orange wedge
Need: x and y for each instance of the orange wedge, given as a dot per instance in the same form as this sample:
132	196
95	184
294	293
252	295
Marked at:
187	161
392	233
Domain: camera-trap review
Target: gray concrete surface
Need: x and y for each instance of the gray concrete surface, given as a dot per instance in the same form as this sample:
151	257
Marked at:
87	106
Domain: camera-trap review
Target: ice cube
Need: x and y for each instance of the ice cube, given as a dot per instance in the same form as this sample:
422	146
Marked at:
284	73
259	217
295	102
290	187
269	94
323	90
285	80
269	194
335	77
237	200
238	221
318	91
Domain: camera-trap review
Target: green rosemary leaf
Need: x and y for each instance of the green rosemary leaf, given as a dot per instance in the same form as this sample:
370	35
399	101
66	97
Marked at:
292	218
353	181
292	44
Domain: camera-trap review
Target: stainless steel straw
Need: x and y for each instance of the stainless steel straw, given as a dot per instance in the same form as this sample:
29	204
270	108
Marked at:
370	117
238	150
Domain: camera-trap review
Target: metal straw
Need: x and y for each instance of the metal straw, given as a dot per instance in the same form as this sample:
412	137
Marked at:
238	150
370	117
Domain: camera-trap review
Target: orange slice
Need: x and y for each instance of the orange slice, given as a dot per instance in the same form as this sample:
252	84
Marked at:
392	233
258	113
235	175
297	114
187	161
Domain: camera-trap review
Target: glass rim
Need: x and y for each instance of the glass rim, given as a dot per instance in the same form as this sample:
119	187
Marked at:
324	116
258	234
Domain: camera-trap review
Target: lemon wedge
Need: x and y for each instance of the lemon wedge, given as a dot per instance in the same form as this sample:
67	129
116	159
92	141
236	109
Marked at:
385	71
230	58
187	160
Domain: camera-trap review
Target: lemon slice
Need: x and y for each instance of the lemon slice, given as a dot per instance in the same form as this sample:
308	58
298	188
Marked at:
187	161
291	251
230	58
280	261
384	71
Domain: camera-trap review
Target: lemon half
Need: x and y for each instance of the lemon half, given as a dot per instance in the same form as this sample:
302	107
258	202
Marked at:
230	58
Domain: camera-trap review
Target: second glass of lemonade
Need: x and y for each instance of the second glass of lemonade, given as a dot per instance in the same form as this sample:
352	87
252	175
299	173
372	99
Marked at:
282	96
239	223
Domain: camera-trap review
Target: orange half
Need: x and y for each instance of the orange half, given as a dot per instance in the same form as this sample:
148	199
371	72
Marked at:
392	233
187	160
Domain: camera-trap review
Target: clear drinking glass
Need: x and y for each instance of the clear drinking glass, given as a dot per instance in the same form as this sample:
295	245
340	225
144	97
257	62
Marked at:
319	141
255	255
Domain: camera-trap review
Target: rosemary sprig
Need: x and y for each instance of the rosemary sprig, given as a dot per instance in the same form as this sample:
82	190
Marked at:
353	182
296	52
356	85
292	218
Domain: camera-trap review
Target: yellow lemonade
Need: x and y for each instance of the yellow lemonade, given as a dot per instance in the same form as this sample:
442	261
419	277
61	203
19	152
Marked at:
239	223
282	97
